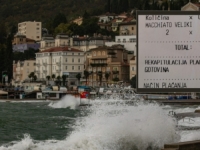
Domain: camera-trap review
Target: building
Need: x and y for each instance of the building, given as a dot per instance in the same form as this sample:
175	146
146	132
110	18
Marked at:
31	29
107	17
191	7
86	43
78	21
60	61
21	71
83	43
47	42
128	41
111	61
21	43
128	28
133	69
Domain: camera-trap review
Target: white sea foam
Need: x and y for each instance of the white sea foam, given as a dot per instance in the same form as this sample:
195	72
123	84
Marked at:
111	126
189	135
67	101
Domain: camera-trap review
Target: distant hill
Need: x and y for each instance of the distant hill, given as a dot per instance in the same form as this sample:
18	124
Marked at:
15	11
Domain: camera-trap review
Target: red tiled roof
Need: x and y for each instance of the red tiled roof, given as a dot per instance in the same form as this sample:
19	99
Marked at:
133	58
197	4
129	19
60	49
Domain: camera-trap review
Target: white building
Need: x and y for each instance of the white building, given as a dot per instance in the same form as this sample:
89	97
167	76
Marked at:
129	42
32	30
83	43
47	42
60	61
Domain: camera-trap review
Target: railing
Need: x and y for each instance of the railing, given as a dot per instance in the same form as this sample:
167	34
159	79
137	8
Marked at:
93	64
38	65
37	71
44	64
58	63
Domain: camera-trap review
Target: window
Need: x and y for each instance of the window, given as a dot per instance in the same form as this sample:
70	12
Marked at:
78	53
66	60
94	53
72	67
53	60
27	64
79	60
132	28
72	59
66	67
38	37
79	67
99	53
132	68
72	53
38	28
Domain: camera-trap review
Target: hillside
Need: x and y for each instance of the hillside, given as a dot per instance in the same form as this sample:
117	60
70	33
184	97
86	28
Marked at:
14	11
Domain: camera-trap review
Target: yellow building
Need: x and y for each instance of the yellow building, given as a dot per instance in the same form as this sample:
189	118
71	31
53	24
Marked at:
107	60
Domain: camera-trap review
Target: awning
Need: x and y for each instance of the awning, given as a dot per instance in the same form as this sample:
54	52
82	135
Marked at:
3	92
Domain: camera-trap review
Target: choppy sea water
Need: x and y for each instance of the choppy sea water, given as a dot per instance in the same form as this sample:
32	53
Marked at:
106	125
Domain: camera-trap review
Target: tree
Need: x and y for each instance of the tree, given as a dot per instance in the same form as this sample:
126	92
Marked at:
133	81
86	74
9	57
78	76
64	77
31	75
107	6
58	79
59	18
86	15
123	5
53	76
34	77
48	78
114	6
107	74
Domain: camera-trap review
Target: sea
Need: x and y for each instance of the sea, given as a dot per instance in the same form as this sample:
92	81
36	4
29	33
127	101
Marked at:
105	125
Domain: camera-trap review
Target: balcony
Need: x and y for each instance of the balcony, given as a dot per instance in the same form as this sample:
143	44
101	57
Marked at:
97	64
115	72
37	71
58	63
44	64
58	70
37	64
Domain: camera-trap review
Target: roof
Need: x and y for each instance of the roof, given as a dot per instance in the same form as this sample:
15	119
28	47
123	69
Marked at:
61	49
128	23
29	40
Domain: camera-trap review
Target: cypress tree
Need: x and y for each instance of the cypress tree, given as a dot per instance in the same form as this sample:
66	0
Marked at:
107	6
59	18
9	57
114	6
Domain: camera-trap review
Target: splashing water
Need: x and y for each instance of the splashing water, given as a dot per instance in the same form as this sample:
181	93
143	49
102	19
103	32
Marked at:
67	101
111	126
